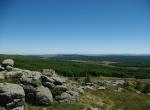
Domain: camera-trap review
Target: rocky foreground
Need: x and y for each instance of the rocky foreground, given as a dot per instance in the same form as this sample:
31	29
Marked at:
33	87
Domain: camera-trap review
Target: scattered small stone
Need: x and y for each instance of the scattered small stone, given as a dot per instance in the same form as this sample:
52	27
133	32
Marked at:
119	89
91	108
66	98
101	88
88	88
100	104
44	109
148	94
138	92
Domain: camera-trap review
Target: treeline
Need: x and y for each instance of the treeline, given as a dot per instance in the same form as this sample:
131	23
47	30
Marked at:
75	69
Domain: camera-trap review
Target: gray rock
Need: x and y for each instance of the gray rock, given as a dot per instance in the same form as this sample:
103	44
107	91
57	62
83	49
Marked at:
118	82
14	74
16	103
19	108
89	84
39	96
99	104
79	90
30	93
24	76
101	88
73	93
44	96
119	89
138	92
11	95
47	79
66	98
2	68
59	80
30	78
88	88
8	68
63	96
60	88
148	94
8	62
49	75
49	72
48	84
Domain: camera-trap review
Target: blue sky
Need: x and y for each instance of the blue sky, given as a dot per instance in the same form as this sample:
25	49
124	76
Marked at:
75	26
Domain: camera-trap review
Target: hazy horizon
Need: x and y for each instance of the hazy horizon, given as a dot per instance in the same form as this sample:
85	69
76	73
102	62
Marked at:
74	27
59	54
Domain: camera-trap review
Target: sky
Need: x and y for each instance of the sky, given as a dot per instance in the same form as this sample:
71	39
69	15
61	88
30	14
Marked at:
74	27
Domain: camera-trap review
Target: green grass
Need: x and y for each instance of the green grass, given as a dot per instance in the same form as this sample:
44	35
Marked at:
56	106
112	100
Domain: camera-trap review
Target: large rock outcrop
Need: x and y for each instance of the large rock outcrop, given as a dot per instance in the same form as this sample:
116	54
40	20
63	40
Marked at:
30	93
30	78
8	64
44	96
34	87
54	82
38	96
14	74
26	77
11	95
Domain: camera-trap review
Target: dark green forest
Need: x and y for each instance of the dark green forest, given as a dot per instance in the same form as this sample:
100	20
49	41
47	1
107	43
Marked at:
64	66
123	60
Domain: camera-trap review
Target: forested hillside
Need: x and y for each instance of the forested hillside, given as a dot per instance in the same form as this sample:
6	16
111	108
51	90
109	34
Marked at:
66	67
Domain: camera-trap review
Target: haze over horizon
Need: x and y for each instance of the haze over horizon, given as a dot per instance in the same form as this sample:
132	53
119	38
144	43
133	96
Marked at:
74	27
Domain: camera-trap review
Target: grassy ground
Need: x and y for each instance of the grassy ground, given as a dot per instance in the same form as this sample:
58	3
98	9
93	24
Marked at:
112	100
